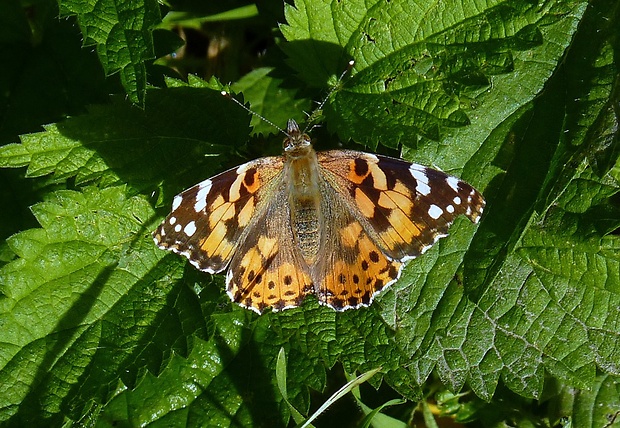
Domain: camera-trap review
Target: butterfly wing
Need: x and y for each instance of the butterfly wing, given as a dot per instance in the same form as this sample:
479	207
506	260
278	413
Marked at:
405	208
268	269
352	267
208	219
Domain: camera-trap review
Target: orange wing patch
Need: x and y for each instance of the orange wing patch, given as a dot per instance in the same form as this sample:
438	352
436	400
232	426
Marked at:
359	271
208	219
266	270
406	206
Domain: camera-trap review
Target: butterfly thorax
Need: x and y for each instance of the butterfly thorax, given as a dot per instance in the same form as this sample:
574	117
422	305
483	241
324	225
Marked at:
302	179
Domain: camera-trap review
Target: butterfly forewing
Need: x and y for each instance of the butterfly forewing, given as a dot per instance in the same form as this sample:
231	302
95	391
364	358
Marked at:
209	219
407	206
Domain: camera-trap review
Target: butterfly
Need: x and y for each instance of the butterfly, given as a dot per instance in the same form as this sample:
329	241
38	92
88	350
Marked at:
338	224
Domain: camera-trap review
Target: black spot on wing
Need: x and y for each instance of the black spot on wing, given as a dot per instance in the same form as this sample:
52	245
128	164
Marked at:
360	166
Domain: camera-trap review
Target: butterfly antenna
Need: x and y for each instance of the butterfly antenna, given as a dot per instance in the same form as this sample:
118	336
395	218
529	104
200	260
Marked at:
312	116
264	119
227	95
334	88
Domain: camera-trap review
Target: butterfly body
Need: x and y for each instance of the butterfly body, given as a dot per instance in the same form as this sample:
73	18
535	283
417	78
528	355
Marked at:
302	178
339	224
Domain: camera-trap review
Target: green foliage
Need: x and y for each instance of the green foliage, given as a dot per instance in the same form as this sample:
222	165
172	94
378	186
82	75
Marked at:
121	33
513	322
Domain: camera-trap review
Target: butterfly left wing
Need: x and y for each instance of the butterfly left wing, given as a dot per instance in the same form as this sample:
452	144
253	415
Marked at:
268	269
208	219
404	207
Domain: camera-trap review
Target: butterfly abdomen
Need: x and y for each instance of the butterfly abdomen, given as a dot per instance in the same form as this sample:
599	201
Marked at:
302	175
306	230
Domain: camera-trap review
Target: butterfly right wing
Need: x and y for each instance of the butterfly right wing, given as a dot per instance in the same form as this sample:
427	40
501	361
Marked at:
406	207
353	268
208	219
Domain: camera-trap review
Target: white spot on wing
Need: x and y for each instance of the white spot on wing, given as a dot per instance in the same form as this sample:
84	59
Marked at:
435	212
419	173
457	200
450	209
229	284
453	182
201	197
176	202
177	228
172	220
190	228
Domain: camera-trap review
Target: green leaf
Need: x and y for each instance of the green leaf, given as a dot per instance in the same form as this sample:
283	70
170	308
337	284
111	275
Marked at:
196	21
47	74
344	390
269	99
113	143
79	310
422	72
100	327
374	416
597	406
209	386
281	378
120	31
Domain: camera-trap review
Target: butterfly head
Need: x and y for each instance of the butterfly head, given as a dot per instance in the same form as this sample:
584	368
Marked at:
296	144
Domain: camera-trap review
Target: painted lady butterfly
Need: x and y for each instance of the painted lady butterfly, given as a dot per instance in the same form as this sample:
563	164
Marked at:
339	224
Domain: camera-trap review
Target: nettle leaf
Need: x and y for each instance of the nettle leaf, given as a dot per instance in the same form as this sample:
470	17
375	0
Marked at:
80	310
517	324
182	124
121	32
425	69
49	75
419	71
597	406
100	326
209	386
268	98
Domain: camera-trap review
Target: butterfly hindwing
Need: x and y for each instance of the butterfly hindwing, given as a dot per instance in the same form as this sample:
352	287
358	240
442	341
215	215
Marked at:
267	271
352	268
